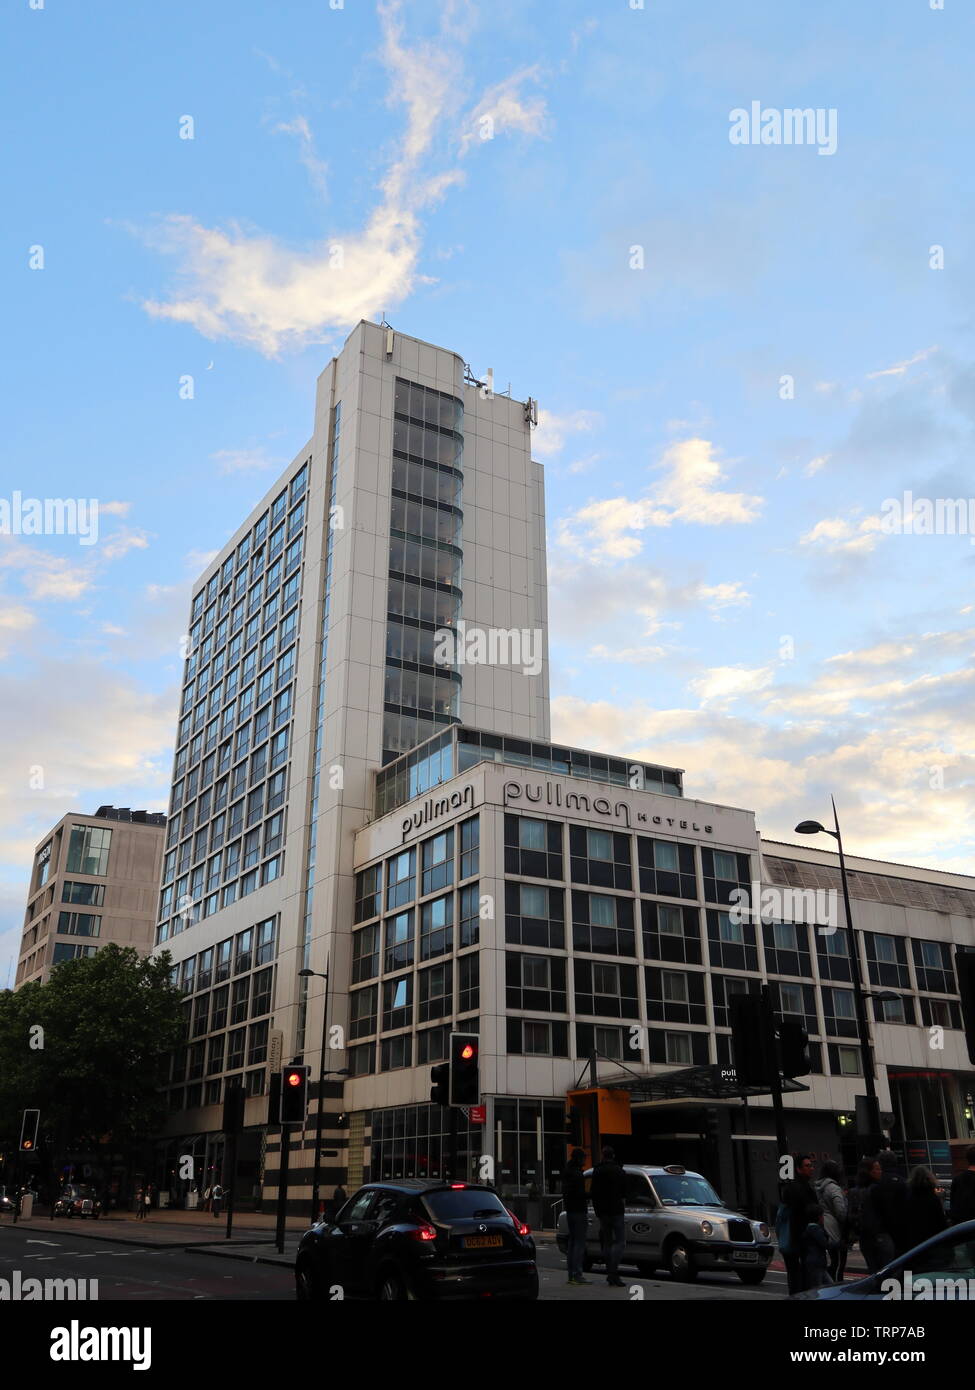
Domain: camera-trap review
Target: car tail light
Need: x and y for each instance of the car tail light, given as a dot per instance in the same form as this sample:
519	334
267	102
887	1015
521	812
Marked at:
424	1232
458	1186
520	1226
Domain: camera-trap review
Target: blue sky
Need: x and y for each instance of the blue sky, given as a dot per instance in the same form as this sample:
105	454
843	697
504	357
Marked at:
723	595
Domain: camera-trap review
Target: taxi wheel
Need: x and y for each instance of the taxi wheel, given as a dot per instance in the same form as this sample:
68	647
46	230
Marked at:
680	1264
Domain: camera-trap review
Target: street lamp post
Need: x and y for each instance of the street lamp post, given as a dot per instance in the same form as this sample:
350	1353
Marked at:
813	827
322	1073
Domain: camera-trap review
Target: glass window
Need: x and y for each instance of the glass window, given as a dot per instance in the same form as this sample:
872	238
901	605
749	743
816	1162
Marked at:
605	979
531	834
88	849
90	894
678	1049
730	931
401	879
725	865
436	929
399	941
665	856
534	900
886	950
438	866
602	910
670	921
599	844
674	986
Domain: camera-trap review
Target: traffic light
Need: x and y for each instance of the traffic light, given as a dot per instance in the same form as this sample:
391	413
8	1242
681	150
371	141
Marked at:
793	1048
965	970
440	1084
752	1040
465	1078
294	1095
712	1124
28	1131
233	1108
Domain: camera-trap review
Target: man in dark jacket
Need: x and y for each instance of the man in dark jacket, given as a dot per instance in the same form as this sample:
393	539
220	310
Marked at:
608	1193
961	1200
798	1196
885	1208
576	1214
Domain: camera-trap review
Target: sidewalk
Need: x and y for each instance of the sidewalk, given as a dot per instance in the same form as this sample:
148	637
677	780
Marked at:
181	1229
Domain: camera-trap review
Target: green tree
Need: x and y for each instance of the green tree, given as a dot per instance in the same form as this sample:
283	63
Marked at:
90	1049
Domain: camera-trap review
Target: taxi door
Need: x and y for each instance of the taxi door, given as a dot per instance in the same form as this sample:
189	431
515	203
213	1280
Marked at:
642	1238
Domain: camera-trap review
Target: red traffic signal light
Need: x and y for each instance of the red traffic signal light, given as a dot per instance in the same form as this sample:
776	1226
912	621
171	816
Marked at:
294	1095
465	1081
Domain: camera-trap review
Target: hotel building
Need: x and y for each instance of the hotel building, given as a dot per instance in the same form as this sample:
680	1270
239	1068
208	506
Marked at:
348	796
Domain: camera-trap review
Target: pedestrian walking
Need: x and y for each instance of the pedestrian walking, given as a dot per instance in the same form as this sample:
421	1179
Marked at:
832	1198
147	1200
140	1209
924	1216
815	1250
339	1197
608	1193
217	1195
887	1208
792	1219
576	1214
961	1199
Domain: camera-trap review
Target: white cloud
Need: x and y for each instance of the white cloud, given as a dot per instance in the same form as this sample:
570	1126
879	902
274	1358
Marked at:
122	542
814	465
900	368
723	684
317	168
114	508
838	535
552	432
252	288
687	492
503	109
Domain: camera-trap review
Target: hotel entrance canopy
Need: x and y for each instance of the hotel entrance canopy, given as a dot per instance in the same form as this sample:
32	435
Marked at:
710	1082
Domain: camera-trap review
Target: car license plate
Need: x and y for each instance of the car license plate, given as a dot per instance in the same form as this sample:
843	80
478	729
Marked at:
481	1242
745	1257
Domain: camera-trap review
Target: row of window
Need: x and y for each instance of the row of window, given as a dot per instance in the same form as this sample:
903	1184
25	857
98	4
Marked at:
203	608
437	869
255	946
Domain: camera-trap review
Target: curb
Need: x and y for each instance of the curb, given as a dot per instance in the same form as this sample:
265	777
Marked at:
142	1244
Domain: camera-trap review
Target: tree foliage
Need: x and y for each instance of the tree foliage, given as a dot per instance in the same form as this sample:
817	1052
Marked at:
107	1024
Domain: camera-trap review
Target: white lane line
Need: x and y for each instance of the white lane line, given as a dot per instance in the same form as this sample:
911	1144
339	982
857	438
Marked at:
43	1242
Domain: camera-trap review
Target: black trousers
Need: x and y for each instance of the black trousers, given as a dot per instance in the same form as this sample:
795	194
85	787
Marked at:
795	1273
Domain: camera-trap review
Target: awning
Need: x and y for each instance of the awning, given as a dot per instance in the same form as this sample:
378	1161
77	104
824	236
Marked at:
711	1082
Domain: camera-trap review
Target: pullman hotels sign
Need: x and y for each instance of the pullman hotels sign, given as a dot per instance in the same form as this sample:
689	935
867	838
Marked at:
553	794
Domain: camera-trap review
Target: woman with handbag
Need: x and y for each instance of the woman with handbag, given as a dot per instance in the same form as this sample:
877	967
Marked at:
832	1199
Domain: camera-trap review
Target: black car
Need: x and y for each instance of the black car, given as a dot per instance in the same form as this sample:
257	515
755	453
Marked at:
418	1238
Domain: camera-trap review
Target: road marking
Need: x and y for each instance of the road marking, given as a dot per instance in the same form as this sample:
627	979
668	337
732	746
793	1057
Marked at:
43	1242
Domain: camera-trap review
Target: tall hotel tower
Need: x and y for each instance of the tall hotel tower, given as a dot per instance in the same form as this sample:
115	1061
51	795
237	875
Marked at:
414	506
346	799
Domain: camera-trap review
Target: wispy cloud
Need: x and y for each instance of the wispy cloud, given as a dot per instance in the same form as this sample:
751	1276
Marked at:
687	492
252	288
244	460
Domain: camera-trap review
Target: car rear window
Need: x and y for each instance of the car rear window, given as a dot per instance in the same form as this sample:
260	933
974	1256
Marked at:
466	1202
